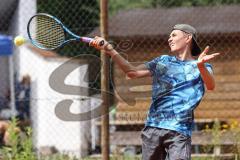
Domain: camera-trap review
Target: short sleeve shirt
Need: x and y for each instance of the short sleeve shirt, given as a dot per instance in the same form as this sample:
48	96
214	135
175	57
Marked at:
177	89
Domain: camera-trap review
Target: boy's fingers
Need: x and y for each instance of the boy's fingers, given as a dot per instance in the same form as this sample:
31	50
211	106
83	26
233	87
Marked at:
93	43
216	54
208	57
205	51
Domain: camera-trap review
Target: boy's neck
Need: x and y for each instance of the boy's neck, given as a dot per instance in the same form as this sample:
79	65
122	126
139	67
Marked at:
185	55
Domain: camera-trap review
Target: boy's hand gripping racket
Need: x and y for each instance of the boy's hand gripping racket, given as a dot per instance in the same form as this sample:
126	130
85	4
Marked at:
47	32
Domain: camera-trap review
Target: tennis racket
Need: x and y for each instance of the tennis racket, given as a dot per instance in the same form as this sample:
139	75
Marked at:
47	32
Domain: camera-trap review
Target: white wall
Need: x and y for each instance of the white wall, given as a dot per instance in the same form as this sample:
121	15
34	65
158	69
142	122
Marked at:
68	137
25	10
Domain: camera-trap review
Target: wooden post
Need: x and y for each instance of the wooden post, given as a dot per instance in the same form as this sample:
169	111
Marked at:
216	138
104	82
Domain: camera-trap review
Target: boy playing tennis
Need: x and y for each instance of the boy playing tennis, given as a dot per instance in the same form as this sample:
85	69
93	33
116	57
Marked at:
177	89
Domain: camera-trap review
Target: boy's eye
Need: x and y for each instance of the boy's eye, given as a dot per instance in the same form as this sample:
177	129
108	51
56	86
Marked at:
171	36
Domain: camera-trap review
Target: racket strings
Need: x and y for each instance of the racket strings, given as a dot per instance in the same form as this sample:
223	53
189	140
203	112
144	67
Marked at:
48	32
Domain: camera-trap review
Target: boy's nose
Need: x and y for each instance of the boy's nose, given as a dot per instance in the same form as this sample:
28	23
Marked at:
169	40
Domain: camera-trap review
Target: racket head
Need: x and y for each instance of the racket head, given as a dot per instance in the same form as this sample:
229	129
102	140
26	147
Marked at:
46	31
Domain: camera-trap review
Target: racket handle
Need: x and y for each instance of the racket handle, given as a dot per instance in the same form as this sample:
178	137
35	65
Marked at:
88	40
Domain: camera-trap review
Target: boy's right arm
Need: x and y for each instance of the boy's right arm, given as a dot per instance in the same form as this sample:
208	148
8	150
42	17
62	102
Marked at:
130	70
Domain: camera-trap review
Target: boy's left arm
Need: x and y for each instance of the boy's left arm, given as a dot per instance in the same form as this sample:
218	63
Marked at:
205	74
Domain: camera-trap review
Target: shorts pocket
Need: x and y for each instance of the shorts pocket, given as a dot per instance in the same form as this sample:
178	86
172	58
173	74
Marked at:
146	132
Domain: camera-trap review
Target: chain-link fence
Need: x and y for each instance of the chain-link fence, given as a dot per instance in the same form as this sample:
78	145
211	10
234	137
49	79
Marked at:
31	78
146	31
43	81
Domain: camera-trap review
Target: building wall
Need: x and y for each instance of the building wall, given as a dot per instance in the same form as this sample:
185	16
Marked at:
49	130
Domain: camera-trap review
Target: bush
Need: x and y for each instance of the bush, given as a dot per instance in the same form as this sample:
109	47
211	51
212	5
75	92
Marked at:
19	147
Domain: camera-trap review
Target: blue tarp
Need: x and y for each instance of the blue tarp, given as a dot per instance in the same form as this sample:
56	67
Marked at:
6	45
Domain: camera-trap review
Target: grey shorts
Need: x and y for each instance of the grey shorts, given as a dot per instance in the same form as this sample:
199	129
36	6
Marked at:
163	144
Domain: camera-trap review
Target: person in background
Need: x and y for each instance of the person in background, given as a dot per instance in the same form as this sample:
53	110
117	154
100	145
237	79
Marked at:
23	98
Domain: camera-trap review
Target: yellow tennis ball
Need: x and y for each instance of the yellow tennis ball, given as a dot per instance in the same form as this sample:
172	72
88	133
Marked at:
19	40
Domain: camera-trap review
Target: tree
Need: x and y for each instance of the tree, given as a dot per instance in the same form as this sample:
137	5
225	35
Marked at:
115	5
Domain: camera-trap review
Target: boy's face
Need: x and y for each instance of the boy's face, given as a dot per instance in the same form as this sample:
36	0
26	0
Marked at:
178	40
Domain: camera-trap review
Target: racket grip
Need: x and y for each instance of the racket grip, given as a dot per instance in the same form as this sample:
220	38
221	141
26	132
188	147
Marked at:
88	40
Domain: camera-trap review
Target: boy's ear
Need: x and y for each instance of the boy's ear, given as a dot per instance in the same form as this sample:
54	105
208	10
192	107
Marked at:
189	38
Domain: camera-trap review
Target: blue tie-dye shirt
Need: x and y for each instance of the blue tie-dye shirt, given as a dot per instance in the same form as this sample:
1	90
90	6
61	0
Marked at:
176	90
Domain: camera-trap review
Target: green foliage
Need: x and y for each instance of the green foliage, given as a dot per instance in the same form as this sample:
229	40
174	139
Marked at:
11	152
215	133
57	157
79	15
19	148
219	131
115	5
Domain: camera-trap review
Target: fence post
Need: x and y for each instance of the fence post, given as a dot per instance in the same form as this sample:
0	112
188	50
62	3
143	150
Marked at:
104	82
